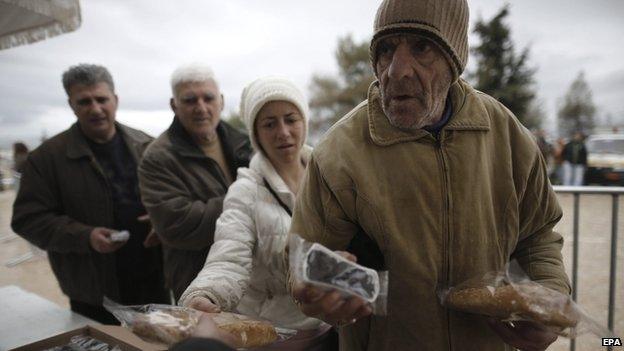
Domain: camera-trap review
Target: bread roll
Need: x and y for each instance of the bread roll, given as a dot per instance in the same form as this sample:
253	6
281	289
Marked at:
248	332
528	301
167	326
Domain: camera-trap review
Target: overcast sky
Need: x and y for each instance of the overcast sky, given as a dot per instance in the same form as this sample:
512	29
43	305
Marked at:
143	41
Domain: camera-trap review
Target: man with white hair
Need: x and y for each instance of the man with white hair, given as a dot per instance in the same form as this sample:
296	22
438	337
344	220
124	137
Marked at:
436	183
186	172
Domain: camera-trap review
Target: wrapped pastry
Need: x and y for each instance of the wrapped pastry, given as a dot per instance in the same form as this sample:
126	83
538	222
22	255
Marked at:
314	264
325	267
248	332
521	301
167	326
510	295
171	324
154	322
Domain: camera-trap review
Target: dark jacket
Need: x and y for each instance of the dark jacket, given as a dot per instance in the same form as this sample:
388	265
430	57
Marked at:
63	195
183	190
575	153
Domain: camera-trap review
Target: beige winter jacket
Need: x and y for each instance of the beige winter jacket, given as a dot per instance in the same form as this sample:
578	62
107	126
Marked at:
440	211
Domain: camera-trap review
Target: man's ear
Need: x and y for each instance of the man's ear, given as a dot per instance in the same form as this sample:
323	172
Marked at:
172	105
71	105
222	102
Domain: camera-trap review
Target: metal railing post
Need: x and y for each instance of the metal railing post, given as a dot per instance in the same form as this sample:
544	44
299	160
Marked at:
575	255
612	280
576	191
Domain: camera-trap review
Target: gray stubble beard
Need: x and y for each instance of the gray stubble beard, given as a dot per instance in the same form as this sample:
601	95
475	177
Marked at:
414	123
420	122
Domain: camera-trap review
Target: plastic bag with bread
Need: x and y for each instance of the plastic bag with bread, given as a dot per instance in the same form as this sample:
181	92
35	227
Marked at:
155	322
510	295
171	324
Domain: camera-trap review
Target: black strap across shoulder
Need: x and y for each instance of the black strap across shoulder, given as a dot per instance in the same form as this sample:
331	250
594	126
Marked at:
277	198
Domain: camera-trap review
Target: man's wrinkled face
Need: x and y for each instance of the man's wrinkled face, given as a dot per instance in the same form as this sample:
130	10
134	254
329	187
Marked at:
198	105
414	78
95	106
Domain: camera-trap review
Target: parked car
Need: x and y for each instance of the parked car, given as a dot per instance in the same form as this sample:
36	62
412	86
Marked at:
605	159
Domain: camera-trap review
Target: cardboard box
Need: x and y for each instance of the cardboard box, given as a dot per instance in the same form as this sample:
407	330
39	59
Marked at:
110	334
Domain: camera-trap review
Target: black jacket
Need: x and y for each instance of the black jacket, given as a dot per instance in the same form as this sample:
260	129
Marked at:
575	153
63	195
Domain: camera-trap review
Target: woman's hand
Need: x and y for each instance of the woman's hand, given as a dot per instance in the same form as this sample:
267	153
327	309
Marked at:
204	304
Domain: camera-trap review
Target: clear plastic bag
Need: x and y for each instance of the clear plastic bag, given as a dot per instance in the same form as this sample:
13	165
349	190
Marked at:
157	323
171	324
85	343
314	264
510	295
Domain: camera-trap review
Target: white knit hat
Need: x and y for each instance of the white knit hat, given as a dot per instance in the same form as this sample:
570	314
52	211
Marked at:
262	90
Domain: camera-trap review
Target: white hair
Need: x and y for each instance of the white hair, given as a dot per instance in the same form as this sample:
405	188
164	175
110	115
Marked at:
194	72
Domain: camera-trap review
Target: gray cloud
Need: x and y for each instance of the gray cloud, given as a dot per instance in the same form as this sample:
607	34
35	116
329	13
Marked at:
142	41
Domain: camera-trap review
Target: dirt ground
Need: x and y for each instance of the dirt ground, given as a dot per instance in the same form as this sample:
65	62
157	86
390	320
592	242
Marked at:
593	286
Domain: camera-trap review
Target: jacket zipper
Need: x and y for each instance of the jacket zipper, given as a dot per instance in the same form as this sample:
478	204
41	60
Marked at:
447	231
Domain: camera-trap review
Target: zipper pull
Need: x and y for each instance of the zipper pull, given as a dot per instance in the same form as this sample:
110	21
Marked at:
440	138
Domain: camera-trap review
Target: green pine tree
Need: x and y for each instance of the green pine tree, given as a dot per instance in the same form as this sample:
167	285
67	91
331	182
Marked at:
577	109
332	97
504	74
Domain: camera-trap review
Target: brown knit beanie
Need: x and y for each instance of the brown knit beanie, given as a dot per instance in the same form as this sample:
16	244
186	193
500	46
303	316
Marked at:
443	21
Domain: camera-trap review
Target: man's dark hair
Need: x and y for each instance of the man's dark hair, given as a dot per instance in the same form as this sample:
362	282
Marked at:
87	74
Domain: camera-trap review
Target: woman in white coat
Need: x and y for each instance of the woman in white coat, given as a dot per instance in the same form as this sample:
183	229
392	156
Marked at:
245	270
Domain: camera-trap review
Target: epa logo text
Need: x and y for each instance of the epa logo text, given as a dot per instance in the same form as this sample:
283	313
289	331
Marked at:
611	342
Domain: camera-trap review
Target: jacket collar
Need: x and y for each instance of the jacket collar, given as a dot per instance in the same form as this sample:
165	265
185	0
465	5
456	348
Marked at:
466	116
264	167
78	147
235	144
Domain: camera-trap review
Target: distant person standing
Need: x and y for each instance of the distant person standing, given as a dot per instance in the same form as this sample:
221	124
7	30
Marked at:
556	175
20	153
574	160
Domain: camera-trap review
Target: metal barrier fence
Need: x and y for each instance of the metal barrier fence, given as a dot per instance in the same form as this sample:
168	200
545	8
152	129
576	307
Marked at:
615	193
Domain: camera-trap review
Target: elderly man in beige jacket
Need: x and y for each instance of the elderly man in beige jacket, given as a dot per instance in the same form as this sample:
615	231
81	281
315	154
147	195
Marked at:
433	181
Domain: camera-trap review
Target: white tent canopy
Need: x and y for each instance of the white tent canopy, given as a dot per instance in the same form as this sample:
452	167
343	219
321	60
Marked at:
27	21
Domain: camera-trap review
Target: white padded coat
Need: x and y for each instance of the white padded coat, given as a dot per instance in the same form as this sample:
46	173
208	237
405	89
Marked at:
245	270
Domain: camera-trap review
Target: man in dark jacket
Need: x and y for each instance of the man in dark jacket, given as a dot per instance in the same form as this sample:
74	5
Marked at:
574	160
186	172
80	187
